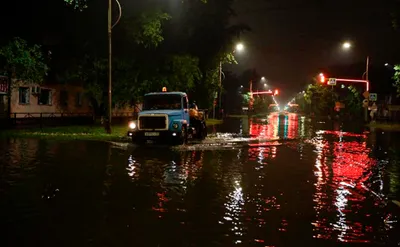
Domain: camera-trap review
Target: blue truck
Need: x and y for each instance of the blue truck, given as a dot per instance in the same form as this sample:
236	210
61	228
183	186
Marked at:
165	118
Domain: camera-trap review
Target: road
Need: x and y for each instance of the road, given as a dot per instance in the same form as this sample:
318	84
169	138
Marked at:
277	181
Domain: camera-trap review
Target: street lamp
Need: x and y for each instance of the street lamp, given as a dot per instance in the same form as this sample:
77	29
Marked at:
238	48
110	27
346	45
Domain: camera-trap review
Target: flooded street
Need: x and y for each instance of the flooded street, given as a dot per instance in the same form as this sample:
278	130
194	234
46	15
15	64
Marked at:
278	181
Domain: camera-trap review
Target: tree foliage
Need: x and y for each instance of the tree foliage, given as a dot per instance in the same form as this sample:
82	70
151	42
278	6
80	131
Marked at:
146	29
396	78
25	62
151	49
319	98
353	101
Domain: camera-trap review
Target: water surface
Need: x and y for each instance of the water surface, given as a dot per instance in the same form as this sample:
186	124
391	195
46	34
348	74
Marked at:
282	181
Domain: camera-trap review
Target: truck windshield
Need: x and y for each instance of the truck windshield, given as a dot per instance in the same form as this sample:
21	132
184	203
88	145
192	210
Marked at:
162	102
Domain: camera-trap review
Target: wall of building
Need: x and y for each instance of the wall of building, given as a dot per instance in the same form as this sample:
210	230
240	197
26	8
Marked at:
69	105
58	105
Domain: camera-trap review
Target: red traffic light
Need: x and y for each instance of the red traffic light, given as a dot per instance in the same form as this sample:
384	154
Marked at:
276	92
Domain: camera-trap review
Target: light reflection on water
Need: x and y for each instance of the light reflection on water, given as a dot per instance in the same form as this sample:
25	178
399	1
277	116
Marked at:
326	187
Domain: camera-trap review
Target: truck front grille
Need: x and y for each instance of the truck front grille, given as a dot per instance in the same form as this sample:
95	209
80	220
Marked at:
152	122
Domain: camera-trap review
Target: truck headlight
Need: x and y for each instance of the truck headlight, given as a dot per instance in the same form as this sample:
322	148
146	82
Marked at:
132	125
175	125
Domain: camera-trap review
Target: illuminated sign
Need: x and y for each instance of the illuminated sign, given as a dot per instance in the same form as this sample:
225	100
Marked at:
3	85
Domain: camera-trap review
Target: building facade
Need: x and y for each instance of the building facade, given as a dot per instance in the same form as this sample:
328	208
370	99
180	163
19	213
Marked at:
3	96
35	99
51	101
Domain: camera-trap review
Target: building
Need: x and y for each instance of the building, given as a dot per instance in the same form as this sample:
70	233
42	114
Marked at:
3	97
31	100
50	101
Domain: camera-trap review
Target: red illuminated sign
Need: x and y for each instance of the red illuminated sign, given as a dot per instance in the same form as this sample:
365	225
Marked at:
3	85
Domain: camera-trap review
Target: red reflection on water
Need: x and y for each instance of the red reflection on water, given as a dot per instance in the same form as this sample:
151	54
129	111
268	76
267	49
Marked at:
293	126
265	128
344	134
162	199
344	174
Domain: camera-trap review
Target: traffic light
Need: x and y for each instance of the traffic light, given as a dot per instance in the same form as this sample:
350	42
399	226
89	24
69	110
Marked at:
276	92
322	78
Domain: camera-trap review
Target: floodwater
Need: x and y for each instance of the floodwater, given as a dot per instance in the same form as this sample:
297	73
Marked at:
278	181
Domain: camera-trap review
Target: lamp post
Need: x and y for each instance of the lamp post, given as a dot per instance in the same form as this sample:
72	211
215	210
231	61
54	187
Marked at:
239	47
346	46
110	27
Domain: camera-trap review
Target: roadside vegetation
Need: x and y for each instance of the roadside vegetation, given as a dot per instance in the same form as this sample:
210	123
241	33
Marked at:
79	132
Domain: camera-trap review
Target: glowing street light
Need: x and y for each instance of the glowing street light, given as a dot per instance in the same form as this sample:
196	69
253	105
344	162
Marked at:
263	78
239	47
346	45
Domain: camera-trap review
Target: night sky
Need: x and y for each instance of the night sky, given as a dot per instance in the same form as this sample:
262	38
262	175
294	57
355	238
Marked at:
291	40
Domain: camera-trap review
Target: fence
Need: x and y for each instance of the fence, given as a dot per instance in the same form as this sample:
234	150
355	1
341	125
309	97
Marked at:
25	120
40	119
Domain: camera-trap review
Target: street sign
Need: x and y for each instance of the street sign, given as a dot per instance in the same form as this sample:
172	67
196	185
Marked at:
373	97
332	82
366	94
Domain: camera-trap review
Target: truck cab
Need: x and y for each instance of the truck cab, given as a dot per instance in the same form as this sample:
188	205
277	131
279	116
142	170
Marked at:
165	118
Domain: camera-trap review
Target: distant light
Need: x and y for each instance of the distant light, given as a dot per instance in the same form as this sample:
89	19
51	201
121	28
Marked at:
239	47
263	78
346	45
265	84
241	86
276	92
322	78
386	64
164	89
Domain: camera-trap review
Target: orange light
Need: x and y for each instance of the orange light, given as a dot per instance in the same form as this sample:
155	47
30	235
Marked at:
164	89
322	78
276	92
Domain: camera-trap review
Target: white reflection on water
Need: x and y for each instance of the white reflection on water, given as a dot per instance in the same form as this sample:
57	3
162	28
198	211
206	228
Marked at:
131	166
234	206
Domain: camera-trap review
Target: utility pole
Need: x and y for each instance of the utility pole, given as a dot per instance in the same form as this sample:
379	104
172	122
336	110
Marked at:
109	110
110	27
220	87
367	79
